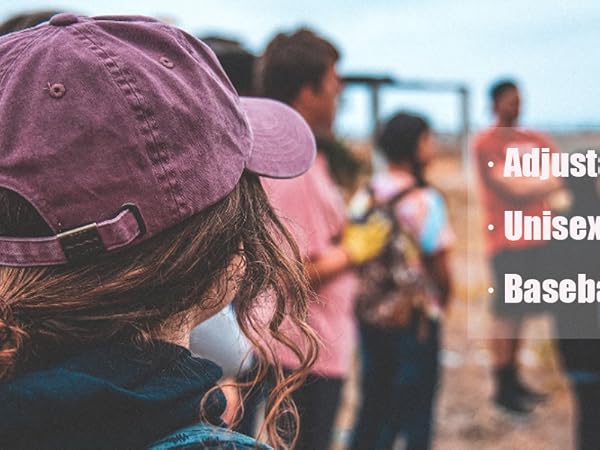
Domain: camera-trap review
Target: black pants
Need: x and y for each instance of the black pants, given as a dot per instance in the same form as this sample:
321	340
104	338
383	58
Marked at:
317	401
253	400
588	404
399	379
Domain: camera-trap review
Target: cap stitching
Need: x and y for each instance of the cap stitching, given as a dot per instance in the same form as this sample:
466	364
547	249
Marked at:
179	36
143	113
176	36
126	84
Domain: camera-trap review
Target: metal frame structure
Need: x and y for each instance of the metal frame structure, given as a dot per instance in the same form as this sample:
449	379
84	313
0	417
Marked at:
375	84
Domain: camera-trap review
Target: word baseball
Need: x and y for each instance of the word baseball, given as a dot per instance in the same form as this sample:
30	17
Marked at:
582	290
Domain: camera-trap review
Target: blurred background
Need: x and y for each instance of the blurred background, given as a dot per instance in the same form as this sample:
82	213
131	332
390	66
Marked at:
436	58
547	45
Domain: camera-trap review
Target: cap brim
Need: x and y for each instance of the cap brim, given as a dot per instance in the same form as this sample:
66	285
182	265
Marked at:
284	145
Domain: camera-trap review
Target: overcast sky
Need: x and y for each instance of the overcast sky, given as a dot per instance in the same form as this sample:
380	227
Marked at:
550	46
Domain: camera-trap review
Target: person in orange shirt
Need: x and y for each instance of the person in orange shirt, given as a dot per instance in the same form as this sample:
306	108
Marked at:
498	194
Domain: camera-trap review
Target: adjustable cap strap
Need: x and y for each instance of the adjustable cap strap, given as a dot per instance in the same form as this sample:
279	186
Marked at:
74	245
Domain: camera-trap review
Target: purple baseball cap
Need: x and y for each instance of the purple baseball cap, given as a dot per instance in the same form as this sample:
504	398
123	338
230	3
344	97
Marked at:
117	128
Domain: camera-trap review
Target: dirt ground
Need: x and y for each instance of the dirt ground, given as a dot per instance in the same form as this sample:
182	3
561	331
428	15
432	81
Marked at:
465	417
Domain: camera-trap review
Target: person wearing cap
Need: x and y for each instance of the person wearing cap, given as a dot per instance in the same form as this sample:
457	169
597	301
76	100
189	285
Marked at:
130	211
299	69
220	338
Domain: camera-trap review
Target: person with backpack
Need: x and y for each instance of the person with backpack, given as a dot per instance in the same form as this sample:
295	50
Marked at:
131	210
403	292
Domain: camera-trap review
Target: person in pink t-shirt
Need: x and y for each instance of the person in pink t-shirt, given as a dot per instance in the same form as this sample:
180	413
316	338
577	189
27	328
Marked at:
300	69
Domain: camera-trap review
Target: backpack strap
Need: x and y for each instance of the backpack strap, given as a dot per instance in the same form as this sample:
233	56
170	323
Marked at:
400	195
391	202
388	207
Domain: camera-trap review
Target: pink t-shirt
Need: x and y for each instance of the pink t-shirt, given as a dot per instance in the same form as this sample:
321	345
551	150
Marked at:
314	211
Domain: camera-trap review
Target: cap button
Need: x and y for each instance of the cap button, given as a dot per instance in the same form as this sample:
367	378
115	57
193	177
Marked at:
63	19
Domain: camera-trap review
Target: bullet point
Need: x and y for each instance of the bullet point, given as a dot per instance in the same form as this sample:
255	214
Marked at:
491	227
491	290
490	164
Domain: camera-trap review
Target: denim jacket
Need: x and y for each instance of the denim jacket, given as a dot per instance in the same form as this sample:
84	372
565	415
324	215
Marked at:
117	397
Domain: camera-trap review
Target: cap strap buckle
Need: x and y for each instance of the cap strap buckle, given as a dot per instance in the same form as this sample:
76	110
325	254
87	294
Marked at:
76	245
81	243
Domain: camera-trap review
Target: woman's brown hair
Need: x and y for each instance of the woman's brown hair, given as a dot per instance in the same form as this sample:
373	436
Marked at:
129	296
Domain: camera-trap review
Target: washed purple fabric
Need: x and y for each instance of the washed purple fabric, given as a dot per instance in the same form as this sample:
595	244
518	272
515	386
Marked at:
100	112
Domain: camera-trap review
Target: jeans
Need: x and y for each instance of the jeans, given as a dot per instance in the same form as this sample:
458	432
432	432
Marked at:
399	380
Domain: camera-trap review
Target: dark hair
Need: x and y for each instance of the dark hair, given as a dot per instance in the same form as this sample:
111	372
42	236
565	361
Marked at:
292	61
26	20
145	292
237	62
344	166
399	141
500	87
